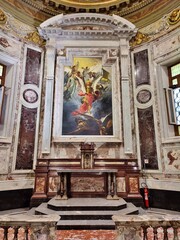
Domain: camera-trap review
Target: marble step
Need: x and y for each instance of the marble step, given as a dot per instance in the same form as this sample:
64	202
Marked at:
93	214
85	225
86	204
86	213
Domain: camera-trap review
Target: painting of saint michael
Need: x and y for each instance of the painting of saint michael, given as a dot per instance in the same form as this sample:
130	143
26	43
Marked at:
87	98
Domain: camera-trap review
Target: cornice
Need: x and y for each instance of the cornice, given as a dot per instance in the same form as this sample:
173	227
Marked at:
89	27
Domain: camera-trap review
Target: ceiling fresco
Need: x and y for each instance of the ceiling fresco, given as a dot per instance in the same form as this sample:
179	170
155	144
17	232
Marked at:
139	12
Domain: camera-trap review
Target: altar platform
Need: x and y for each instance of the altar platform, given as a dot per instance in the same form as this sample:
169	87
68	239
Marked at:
86	213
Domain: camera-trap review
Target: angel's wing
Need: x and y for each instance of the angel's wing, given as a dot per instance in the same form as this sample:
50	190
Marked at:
82	84
95	82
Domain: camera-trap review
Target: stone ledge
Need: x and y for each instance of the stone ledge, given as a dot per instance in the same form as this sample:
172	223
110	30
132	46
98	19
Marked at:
24	219
146	219
19	184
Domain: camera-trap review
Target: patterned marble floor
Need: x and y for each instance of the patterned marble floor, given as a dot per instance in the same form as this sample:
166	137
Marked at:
86	235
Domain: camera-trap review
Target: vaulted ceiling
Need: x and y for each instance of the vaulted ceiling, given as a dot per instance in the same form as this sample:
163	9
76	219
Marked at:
139	12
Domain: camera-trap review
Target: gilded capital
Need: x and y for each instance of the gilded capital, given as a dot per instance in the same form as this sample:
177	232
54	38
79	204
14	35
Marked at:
138	39
35	38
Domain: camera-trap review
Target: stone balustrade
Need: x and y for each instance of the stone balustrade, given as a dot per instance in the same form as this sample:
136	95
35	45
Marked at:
28	227
147	227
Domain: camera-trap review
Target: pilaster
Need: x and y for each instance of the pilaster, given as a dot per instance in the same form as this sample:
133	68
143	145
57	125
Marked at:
49	78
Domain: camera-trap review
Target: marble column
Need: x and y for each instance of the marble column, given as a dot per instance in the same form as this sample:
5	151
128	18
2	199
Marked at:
48	109
124	65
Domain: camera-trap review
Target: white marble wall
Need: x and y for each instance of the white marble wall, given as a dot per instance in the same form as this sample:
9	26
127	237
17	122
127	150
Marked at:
12	45
164	51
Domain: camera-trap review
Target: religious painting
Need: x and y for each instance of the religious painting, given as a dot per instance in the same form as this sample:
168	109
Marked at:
87	98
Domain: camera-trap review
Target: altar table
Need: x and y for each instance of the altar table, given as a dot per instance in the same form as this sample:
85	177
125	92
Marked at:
110	178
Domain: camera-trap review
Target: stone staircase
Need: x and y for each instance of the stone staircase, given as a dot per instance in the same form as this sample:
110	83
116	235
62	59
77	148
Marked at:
86	213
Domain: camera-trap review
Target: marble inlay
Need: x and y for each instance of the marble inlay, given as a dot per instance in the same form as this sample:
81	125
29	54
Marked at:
29	111
147	138
33	63
172	159
133	185
121	184
30	95
141	67
40	184
86	235
87	184
144	96
25	150
53	184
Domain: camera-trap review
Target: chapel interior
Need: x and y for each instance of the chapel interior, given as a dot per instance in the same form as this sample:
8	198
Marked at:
90	102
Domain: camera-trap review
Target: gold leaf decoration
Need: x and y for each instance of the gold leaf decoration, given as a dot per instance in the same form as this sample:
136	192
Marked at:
174	17
3	17
138	39
35	38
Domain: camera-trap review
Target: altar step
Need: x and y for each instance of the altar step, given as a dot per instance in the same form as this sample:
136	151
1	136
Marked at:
83	215
86	213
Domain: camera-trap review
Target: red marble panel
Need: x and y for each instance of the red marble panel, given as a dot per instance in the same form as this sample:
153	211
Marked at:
133	185
25	151
86	234
87	184
33	63
147	138
40	184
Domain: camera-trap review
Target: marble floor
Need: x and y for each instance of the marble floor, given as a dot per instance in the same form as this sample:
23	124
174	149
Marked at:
86	235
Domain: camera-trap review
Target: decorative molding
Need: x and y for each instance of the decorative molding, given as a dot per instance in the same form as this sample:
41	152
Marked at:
30	96
35	38
122	7
144	96
174	17
83	26
139	39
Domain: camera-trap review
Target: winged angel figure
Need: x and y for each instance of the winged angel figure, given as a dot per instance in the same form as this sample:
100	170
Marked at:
87	106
